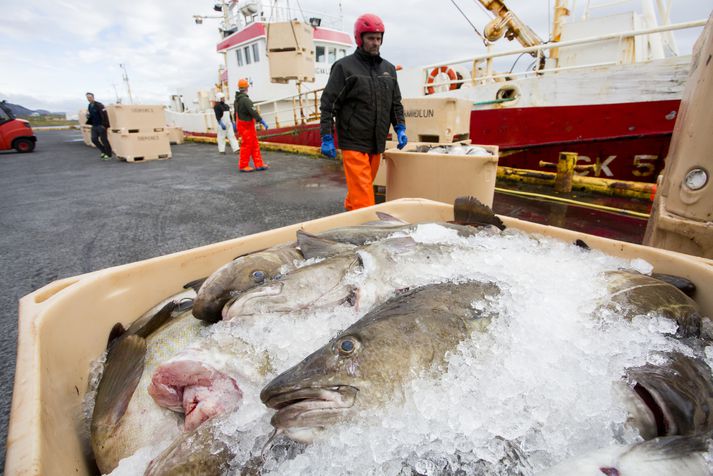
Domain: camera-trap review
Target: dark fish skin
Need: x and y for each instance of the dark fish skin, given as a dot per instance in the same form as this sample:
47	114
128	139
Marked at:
633	293
679	394
366	363
197	452
238	276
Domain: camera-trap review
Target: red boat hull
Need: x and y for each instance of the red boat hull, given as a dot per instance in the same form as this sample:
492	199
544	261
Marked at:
629	141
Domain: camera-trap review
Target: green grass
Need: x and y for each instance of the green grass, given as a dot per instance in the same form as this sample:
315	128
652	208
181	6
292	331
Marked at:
50	121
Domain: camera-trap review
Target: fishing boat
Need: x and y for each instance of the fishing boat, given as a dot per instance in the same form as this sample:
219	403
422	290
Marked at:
606	86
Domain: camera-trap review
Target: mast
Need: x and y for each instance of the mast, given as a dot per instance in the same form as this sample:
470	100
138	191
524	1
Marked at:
561	11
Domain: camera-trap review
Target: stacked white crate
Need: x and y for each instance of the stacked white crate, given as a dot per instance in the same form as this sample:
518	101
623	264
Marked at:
85	128
138	132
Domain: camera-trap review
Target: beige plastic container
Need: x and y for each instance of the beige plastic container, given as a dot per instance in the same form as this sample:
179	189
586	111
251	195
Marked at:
175	134
682	216
87	135
440	177
136	116
64	325
140	146
440	120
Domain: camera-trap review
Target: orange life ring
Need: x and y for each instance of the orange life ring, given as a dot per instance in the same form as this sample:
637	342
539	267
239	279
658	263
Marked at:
435	72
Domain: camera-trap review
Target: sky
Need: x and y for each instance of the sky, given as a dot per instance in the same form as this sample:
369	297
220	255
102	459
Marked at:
52	52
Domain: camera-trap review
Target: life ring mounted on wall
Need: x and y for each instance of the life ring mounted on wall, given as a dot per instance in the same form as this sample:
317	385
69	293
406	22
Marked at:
438	70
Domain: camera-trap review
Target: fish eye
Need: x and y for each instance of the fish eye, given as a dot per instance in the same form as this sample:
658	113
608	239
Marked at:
346	346
258	276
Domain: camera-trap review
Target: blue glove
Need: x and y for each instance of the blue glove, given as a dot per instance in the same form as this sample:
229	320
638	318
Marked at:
328	148
235	127
222	126
264	124
401	133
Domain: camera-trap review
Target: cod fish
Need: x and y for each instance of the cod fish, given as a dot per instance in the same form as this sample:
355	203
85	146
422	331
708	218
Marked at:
632	293
205	379
367	363
665	456
672	399
125	417
249	271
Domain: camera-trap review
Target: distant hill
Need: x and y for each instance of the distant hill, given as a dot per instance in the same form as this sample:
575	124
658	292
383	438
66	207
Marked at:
23	111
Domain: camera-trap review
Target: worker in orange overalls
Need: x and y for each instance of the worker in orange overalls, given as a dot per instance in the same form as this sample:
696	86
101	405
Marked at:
246	116
363	95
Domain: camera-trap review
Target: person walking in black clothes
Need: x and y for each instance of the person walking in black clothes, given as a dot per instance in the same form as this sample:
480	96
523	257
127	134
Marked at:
99	120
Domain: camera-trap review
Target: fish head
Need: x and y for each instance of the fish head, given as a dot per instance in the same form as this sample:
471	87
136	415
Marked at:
233	279
362	368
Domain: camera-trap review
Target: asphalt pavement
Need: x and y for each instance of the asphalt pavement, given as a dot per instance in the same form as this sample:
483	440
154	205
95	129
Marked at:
64	212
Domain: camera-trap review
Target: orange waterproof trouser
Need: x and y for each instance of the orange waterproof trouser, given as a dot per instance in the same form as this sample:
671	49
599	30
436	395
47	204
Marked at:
360	170
249	145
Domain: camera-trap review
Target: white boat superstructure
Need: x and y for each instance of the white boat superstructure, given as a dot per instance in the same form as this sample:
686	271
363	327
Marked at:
244	48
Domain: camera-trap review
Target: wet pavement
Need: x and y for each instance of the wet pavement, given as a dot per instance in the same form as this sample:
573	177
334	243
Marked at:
65	212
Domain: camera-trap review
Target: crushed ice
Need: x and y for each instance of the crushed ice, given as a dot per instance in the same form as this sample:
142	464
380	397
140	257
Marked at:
538	387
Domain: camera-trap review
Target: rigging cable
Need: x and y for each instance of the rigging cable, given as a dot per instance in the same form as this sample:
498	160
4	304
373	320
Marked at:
485	42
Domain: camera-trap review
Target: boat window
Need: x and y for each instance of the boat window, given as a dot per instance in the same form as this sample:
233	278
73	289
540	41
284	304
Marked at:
256	57
320	54
342	53
239	56
4	117
247	55
332	55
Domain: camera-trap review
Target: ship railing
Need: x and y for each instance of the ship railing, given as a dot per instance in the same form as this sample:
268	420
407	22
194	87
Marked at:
481	66
304	108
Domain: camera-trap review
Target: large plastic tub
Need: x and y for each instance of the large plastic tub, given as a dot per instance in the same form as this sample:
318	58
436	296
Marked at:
64	325
441	177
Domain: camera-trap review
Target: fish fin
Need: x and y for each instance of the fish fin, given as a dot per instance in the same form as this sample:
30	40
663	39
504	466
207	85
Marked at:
313	246
117	331
144	327
401	243
195	284
683	284
122	372
582	244
386	217
469	210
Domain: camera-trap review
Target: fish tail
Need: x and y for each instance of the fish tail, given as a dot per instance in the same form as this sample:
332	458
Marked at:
469	210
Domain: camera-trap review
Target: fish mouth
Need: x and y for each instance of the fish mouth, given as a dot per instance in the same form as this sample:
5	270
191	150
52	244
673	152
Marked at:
310	408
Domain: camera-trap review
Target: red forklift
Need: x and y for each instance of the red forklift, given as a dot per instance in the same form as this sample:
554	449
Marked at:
15	133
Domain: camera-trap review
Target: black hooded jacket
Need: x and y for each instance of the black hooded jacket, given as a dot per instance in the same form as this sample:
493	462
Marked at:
363	95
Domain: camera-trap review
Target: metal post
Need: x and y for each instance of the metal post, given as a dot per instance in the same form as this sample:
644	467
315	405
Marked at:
316	106
294	110
565	172
299	96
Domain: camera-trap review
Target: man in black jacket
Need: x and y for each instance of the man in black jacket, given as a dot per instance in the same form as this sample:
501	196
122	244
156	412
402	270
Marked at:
99	120
363	95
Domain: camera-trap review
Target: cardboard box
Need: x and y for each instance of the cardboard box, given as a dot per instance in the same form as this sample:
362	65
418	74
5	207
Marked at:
289	35
175	134
440	177
140	146
287	65
136	116
64	325
440	120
